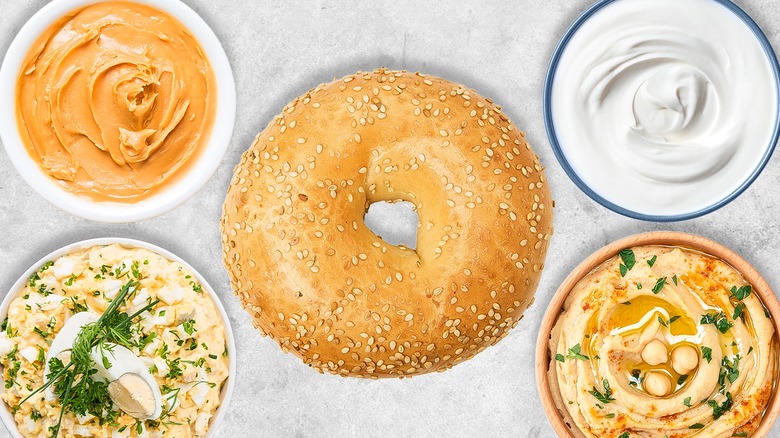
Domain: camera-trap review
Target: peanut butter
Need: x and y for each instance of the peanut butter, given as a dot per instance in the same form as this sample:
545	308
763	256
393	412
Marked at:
115	101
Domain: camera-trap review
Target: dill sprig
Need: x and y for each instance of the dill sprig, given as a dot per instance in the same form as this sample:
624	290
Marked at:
72	383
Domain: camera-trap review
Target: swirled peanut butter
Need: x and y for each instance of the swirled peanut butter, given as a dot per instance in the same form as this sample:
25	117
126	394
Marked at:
115	100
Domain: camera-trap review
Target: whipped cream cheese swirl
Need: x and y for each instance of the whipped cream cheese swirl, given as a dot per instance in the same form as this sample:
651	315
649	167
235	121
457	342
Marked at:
662	108
680	127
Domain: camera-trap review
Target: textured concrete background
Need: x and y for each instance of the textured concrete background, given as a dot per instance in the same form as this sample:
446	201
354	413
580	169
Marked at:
280	49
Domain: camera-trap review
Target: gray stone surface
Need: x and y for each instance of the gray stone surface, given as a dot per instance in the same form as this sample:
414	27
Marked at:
280	49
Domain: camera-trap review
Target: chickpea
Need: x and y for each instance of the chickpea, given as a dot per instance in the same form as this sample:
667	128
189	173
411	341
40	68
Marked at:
684	359
657	384
655	353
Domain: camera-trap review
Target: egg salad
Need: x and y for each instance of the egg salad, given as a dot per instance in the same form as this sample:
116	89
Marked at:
113	342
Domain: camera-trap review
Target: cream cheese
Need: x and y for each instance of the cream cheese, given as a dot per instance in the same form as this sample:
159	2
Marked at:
664	107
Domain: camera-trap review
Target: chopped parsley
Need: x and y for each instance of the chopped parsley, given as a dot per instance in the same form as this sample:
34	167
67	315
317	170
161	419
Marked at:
70	280
77	306
719	409
668	322
134	269
559	357
718	319
674	279
628	261
696	426
196	287
741	293
729	370
652	260
687	402
175	368
628	258
706	353
189	326
682	379
575	352
659	284
739	311
604	397
36	275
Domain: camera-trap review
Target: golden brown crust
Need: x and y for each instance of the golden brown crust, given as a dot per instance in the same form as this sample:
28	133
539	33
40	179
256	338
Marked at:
320	283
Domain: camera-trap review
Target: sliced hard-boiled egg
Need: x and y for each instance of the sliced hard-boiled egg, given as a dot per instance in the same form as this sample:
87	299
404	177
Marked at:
63	342
130	384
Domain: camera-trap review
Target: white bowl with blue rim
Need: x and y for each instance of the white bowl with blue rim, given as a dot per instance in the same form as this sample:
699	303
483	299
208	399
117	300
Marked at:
594	181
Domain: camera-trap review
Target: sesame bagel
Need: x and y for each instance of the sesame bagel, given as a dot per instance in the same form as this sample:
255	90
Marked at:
319	282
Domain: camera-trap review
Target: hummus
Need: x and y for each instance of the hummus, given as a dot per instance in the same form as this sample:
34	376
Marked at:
663	341
180	339
115	100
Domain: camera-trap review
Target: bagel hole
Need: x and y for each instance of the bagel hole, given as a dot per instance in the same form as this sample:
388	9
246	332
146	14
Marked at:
394	222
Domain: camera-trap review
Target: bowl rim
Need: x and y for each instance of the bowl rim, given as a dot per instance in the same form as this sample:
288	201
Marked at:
584	187
185	185
228	387
669	238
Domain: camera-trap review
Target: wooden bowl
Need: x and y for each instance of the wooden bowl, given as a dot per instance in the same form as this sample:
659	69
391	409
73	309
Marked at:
665	238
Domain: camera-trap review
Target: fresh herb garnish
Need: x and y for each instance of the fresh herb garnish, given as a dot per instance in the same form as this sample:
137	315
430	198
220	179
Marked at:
741	293
729	370
718	319
189	326
659	284
629	260
196	287
652	260
682	379
575	352
719	409
739	311
687	402
70	280
605	397
559	357
674	279
175	369
668	322
696	426
706	352
77	392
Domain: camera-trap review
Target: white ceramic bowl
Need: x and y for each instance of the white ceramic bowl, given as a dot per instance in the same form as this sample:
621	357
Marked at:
177	193
227	388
